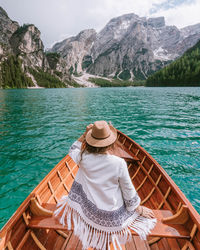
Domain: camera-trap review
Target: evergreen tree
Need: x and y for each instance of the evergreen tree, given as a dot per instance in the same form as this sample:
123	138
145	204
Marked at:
185	71
45	79
12	75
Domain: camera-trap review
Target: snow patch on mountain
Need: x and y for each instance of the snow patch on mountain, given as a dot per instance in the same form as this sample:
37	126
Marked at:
162	54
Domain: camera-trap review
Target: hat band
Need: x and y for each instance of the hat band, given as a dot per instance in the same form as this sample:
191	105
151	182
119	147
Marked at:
102	138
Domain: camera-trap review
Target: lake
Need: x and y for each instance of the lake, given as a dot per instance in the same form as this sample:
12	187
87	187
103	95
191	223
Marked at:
37	127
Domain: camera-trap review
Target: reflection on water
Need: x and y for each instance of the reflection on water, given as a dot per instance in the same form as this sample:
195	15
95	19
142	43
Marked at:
38	126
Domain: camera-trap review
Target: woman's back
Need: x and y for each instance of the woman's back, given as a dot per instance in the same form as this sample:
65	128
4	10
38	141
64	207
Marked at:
102	201
99	175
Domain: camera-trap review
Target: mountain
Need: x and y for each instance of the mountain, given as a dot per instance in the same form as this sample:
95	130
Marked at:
129	47
7	27
185	71
23	62
75	48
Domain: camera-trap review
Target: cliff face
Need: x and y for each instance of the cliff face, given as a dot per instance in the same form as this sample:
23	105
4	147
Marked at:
7	28
22	41
22	50
73	50
26	43
128	47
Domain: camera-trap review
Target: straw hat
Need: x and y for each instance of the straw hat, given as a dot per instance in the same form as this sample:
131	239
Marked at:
101	134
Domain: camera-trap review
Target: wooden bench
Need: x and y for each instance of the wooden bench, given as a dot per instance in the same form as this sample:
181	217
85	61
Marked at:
48	221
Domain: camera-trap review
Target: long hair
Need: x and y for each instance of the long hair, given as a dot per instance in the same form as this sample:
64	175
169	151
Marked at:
94	150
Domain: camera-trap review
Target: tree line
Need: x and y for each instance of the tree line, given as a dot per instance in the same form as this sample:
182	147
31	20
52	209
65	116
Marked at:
185	71
12	75
46	80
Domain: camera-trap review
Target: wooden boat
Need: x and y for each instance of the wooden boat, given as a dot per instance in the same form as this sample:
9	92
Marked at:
33	226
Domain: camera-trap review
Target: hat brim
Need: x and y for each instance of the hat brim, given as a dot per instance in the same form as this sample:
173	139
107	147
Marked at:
101	142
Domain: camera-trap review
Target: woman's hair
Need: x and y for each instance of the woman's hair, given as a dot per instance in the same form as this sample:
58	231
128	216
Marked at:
94	150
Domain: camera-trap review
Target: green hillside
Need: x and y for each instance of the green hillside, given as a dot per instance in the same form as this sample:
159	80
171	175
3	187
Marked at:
12	75
185	71
45	79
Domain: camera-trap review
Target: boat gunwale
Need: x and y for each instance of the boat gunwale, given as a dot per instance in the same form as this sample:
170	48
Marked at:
192	212
16	215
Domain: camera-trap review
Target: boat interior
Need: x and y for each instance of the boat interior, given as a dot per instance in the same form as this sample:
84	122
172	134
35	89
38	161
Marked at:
33	225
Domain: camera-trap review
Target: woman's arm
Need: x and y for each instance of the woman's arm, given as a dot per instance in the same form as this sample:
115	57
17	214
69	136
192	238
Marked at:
146	212
77	146
131	198
82	137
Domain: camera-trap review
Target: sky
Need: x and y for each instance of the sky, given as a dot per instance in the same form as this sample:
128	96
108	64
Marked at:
59	19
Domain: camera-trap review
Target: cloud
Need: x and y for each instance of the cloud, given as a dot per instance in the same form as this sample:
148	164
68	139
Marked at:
181	15
55	19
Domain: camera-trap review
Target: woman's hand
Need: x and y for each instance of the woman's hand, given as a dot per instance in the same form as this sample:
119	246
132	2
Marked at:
82	138
88	128
146	212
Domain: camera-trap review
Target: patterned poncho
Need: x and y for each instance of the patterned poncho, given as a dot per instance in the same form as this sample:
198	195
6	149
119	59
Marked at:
102	201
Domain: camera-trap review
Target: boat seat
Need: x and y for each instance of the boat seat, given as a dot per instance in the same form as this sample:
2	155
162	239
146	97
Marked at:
160	230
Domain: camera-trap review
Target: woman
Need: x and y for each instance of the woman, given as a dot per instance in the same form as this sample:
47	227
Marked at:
102	204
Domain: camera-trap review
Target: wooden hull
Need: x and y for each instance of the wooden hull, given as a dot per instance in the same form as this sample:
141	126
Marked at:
155	188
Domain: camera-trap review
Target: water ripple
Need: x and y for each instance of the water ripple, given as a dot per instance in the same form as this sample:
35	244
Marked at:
38	126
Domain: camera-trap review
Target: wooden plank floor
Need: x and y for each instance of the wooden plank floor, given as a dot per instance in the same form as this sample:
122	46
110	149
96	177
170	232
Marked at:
134	244
66	240
73	243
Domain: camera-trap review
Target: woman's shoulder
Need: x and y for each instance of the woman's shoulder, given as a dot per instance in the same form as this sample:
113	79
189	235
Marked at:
116	158
105	157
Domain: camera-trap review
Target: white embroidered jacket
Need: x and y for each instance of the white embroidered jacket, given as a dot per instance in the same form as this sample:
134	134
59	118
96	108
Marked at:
102	202
105	180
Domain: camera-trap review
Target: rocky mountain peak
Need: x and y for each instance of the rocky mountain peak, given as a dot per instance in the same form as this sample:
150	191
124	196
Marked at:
191	30
23	58
121	22
74	49
156	22
85	35
129	16
128	47
26	42
7	27
118	26
26	39
112	33
3	12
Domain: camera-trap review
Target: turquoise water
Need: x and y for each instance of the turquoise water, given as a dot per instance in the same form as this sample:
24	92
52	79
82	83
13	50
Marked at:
37	127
